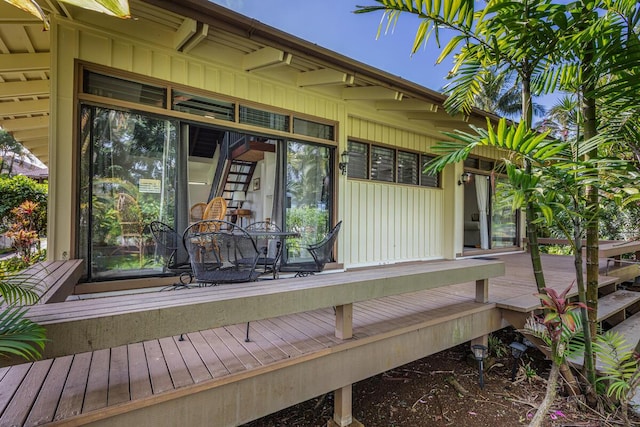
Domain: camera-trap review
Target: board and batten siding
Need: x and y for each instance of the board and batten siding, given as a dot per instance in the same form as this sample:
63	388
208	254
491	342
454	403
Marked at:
387	222
135	53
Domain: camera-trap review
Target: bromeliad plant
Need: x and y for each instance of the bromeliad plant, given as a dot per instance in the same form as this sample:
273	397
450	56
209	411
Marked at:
559	329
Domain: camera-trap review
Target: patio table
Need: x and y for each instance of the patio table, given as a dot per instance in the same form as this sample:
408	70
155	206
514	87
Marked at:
268	235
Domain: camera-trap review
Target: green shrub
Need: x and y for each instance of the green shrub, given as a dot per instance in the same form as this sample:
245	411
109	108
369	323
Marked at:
16	190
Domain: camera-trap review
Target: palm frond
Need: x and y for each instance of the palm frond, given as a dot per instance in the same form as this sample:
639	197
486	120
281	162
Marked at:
20	336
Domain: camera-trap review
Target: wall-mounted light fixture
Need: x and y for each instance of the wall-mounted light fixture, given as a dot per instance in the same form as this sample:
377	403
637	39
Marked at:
344	163
464	178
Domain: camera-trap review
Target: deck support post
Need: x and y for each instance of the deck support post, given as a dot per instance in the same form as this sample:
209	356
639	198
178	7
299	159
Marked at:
482	290
344	321
342	416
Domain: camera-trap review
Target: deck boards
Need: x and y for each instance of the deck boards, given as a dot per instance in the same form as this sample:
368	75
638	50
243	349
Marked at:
86	382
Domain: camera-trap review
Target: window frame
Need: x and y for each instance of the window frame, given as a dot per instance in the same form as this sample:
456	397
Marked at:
396	154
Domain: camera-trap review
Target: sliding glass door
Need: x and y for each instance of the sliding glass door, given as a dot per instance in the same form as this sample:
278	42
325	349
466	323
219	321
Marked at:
128	179
308	198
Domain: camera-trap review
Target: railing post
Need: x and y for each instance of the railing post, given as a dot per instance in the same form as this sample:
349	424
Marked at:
482	290
344	321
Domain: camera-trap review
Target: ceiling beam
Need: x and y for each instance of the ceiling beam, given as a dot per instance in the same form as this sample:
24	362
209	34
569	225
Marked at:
265	58
370	92
187	29
24	107
406	105
325	76
201	34
12	125
445	119
28	88
31	134
39	151
21	62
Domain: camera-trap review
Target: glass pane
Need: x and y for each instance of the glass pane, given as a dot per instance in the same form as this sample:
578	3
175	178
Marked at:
382	164
503	219
125	90
309	128
265	119
407	168
428	180
308	196
129	164
358	160
207	107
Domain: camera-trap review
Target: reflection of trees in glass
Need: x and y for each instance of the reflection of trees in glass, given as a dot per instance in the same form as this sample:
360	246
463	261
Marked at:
119	149
308	192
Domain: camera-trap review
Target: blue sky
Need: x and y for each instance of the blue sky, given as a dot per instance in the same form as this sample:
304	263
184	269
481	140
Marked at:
333	25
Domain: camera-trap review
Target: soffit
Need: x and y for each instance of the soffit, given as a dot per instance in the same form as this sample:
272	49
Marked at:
24	79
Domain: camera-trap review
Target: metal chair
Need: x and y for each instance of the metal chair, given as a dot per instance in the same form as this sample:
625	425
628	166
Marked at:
321	253
166	240
219	254
269	255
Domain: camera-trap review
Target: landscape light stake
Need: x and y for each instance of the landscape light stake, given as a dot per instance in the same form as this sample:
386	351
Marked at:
517	350
480	353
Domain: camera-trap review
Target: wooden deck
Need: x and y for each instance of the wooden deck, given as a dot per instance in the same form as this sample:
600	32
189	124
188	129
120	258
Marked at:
214	377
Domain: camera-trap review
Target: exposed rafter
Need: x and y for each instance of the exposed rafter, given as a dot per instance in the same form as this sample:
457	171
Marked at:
370	92
201	34
24	107
407	105
22	89
25	123
323	77
21	62
31	134
266	57
184	33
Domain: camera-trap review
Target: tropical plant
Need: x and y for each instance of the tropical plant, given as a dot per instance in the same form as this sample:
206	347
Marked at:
559	329
17	189
19	336
621	369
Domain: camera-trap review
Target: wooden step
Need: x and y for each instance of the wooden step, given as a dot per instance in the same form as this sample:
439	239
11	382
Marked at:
612	307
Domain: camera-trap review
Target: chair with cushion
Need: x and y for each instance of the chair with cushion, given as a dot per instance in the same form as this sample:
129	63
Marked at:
321	253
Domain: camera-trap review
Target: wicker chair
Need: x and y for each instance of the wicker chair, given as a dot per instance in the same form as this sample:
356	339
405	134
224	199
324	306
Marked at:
196	213
321	253
216	209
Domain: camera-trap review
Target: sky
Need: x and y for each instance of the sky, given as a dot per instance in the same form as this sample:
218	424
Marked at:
333	25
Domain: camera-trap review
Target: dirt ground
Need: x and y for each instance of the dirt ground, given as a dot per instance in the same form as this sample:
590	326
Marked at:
443	390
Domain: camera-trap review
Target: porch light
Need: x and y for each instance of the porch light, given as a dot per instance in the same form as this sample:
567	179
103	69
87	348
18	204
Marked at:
464	178
517	350
480	353
344	163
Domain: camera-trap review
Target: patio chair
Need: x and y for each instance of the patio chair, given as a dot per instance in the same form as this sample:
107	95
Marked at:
216	209
268	246
222	253
196	213
166	240
321	253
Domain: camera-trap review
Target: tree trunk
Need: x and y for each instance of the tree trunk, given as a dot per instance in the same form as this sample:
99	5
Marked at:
550	395
590	130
